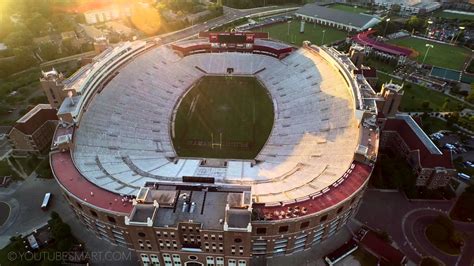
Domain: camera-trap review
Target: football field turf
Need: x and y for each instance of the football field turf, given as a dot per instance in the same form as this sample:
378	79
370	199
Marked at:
313	33
442	55
223	117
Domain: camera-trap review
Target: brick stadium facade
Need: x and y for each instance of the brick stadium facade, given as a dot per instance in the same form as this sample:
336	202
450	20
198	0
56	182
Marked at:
161	222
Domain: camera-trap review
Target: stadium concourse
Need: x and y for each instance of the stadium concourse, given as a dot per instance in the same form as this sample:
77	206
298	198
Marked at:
113	152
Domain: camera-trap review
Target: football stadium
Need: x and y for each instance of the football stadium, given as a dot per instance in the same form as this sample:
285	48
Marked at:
217	150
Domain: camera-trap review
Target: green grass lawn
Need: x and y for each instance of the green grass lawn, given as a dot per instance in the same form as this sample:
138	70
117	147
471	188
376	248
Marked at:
433	124
449	15
28	164
442	55
5	170
439	237
415	95
313	33
379	65
239	108
349	8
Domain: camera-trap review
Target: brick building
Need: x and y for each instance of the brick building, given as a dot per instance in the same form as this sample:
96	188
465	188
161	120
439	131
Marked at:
402	134
52	85
32	133
433	167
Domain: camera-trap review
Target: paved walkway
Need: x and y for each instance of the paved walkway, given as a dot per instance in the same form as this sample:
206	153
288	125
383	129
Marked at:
406	221
25	198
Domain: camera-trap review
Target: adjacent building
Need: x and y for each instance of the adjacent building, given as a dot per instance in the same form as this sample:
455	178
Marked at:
103	12
410	7
380	49
336	18
32	133
52	85
402	134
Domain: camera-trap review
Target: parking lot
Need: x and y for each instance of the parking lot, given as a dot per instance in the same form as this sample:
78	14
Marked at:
462	150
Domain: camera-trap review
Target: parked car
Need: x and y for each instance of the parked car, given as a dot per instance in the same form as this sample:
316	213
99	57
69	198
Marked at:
464	176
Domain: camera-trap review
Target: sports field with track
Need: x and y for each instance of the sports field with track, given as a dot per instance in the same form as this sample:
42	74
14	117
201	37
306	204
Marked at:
223	117
442	55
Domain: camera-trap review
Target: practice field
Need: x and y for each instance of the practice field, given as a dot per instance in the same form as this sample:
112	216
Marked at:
223	117
349	8
442	55
313	33
453	15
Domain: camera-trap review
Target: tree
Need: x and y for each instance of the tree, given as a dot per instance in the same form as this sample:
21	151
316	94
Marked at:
452	118
146	19
425	104
48	51
37	24
23	58
18	38
470	96
60	229
446	222
415	23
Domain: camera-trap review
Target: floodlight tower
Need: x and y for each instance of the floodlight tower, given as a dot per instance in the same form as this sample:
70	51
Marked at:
428	27
386	26
461	30
428	46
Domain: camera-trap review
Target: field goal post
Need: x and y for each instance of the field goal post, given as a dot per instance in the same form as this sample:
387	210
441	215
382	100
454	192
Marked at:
216	144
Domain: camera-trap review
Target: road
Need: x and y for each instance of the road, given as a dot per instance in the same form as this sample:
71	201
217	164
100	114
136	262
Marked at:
406	220
414	225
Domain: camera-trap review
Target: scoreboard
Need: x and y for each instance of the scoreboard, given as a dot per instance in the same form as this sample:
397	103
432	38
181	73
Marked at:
231	38
235	37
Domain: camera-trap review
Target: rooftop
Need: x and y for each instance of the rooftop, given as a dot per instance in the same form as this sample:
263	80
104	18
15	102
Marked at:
33	112
364	39
339	16
35	118
68	176
384	251
417	140
192	202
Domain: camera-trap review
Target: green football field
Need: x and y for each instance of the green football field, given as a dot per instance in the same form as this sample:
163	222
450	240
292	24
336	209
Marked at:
312	33
442	55
451	15
223	117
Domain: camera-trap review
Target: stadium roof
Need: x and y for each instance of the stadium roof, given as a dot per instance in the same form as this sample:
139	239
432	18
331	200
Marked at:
361	21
